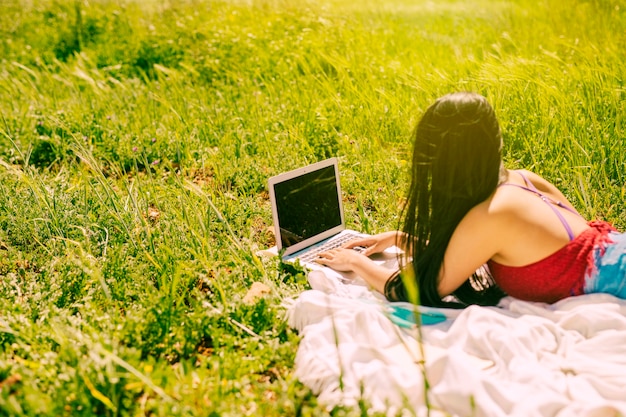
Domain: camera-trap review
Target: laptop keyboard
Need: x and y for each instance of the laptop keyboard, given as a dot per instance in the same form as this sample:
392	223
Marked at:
331	244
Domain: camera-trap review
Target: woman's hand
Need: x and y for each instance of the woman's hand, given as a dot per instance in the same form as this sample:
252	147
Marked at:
341	259
375	244
349	260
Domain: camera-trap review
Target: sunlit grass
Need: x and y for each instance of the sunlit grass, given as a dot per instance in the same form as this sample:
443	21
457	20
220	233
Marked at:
136	139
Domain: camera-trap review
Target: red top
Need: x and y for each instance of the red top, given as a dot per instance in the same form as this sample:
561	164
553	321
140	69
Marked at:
557	276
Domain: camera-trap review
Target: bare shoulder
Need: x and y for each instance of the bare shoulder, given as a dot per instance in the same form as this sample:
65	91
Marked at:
510	204
504	202
538	181
488	218
545	187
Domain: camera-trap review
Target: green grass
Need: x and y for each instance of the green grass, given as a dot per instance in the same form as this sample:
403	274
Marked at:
136	139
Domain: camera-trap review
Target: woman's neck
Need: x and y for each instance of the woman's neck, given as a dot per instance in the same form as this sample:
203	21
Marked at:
504	175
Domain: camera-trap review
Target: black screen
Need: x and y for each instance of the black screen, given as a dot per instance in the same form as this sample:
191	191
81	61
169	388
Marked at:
307	205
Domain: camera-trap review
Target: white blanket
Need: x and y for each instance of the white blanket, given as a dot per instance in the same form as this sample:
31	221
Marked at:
523	359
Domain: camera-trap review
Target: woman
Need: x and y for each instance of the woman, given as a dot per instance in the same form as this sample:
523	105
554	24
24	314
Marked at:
465	210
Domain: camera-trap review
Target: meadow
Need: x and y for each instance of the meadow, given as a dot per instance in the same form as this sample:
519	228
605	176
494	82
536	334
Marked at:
136	139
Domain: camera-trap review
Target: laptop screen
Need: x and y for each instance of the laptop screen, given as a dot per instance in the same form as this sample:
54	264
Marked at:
307	205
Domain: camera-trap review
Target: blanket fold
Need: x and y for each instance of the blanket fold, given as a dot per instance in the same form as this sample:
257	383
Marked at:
521	359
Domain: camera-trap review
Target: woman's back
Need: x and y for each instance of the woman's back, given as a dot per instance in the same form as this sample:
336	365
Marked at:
520	224
540	226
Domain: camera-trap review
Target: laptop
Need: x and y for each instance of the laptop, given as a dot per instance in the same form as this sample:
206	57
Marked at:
308	212
308	219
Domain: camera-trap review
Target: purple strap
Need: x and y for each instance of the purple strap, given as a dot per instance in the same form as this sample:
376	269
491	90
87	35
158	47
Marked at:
530	187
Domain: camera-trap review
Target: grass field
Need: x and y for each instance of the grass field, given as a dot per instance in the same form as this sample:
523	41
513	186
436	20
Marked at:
136	139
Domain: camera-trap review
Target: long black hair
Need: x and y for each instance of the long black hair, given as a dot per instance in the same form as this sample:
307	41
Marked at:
457	164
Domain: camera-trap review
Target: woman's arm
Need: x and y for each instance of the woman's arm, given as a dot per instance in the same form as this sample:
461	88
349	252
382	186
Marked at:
472	244
378	243
350	260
